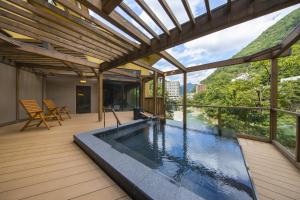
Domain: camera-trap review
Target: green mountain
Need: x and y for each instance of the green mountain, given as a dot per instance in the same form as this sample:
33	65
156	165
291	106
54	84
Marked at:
249	85
269	38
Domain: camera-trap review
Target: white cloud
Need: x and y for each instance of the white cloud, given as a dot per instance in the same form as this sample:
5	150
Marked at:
232	39
223	44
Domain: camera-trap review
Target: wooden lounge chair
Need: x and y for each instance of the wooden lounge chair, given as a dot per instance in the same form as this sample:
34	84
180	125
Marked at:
53	109
35	113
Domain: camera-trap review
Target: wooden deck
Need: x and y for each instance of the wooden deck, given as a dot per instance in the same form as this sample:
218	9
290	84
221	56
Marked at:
274	176
42	164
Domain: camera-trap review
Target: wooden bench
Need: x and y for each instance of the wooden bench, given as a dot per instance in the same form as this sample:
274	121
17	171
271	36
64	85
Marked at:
53	109
35	113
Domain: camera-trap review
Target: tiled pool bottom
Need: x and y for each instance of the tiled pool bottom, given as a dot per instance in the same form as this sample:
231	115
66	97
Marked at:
157	161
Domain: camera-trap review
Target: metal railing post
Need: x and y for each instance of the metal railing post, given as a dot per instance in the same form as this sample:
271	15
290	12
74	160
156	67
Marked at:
104	117
115	115
297	153
219	116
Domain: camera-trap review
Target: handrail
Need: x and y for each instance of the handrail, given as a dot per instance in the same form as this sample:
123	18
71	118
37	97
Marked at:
215	106
118	121
115	115
286	111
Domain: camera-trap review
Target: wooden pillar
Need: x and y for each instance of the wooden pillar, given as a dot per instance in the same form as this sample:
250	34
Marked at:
100	96
273	98
164	95
142	93
297	155
43	90
155	93
17	93
184	99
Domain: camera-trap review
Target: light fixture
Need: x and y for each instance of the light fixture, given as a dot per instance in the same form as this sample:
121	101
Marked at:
82	81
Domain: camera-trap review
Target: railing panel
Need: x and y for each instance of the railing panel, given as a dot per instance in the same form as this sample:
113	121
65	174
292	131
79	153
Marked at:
286	131
252	122
247	121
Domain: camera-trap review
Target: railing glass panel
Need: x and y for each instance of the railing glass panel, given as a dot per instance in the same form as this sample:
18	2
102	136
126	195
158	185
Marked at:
286	131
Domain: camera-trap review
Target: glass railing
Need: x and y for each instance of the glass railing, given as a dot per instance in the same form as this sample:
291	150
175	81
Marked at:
250	121
287	130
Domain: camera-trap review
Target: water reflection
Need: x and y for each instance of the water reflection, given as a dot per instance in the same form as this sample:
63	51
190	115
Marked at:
203	162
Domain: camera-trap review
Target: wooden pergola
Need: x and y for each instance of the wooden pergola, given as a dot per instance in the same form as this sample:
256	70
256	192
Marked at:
62	34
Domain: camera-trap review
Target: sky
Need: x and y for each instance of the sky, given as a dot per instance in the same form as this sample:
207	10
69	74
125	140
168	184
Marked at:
217	46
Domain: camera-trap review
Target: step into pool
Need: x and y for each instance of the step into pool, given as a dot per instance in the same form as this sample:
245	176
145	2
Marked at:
154	160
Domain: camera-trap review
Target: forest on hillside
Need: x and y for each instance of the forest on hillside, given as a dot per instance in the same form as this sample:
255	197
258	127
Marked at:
249	85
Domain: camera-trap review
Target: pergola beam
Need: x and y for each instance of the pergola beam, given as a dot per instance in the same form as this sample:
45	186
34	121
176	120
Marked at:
207	8
153	16
170	13
172	60
109	5
141	22
147	66
188	10
241	11
119	21
291	39
263	55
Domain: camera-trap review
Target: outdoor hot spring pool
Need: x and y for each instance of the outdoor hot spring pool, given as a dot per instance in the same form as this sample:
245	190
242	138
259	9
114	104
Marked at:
157	160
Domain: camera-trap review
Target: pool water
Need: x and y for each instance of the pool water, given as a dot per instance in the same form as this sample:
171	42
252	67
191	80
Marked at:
209	165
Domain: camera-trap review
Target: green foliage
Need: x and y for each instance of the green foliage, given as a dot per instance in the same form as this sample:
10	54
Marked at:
249	84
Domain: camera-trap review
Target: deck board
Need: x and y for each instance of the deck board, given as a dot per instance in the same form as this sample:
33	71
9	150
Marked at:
273	174
41	164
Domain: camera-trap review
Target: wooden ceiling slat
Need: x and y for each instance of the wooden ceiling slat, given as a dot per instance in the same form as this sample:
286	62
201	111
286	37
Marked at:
153	16
19	28
119	21
51	34
86	15
108	40
46	18
46	52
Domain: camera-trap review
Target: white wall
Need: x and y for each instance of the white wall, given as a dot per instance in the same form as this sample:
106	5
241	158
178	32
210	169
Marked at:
62	90
30	87
8	94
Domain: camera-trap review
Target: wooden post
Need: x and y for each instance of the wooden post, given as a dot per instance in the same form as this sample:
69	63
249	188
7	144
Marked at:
297	154
164	95
100	96
184	99
17	93
273	100
43	90
155	93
